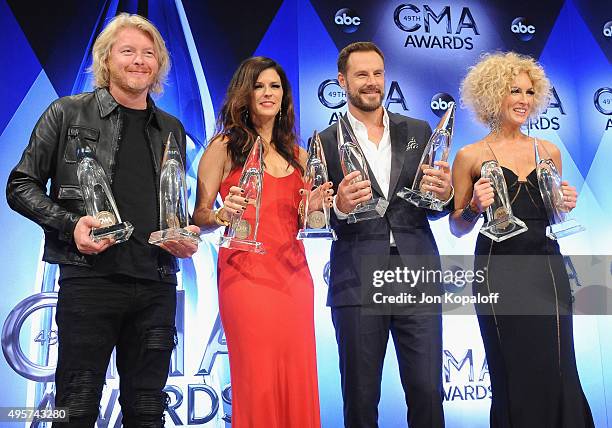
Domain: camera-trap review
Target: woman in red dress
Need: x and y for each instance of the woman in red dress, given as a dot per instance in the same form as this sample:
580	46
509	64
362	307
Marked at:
265	300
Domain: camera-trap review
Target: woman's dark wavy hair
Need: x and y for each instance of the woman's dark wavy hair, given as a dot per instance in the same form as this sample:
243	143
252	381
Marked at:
236	124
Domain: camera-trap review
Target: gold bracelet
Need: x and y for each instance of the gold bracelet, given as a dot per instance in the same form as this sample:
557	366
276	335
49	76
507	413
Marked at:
220	221
301	212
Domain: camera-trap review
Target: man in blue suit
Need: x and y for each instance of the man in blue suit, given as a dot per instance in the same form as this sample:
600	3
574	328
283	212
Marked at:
393	145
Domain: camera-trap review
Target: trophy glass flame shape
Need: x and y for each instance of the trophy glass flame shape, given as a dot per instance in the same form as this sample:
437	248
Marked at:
173	212
240	234
98	197
549	182
316	221
501	223
353	159
437	149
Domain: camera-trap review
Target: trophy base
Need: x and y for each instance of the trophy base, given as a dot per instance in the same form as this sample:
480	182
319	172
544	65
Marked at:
329	234
173	234
421	200
566	228
502	229
374	208
117	232
242	245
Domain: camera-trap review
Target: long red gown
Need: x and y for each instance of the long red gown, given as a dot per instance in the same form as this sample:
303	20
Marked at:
266	306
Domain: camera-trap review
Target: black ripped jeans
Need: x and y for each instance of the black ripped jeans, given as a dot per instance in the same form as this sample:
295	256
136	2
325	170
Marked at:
95	315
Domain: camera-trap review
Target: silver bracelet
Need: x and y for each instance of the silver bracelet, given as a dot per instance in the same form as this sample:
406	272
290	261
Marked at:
469	215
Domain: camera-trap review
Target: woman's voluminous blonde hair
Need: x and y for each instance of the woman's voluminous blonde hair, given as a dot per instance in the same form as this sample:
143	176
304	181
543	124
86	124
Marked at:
104	43
488	83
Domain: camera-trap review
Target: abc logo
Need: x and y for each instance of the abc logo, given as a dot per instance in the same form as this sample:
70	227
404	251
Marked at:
607	30
347	20
440	102
523	30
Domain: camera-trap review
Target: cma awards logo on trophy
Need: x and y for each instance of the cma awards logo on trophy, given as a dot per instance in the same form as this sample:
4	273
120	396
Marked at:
333	96
347	20
602	99
522	29
29	344
433	28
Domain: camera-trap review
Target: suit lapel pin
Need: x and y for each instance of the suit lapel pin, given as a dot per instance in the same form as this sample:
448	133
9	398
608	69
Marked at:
412	144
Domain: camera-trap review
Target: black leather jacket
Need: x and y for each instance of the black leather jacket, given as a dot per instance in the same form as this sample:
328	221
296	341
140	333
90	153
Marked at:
51	155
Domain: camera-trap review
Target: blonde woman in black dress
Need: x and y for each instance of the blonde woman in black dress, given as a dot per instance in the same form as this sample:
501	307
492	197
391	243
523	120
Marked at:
528	336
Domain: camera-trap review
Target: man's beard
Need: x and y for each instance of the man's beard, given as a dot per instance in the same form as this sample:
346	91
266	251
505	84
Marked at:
357	101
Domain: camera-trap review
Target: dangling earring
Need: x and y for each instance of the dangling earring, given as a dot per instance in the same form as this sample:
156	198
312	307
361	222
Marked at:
280	115
494	125
246	115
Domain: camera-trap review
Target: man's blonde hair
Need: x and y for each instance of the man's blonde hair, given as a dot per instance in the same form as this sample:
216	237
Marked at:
104	43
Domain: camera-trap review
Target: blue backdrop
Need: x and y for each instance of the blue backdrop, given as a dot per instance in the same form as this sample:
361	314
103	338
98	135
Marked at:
428	47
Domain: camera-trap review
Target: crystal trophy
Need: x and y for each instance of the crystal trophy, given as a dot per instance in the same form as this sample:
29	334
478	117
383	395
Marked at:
501	223
437	149
353	159
316	221
241	234
98	197
173	213
549	182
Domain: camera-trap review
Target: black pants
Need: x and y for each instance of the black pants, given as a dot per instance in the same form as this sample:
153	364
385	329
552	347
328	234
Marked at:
95	315
362	344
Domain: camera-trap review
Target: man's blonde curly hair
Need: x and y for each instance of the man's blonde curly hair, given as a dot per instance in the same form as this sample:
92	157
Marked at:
488	83
104	43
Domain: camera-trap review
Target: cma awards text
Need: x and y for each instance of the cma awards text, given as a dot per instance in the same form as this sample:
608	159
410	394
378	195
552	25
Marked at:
430	28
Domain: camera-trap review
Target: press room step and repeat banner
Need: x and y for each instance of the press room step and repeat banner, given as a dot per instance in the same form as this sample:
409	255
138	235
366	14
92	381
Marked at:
46	49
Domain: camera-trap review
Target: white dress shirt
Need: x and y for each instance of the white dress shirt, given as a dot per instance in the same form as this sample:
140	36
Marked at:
378	157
